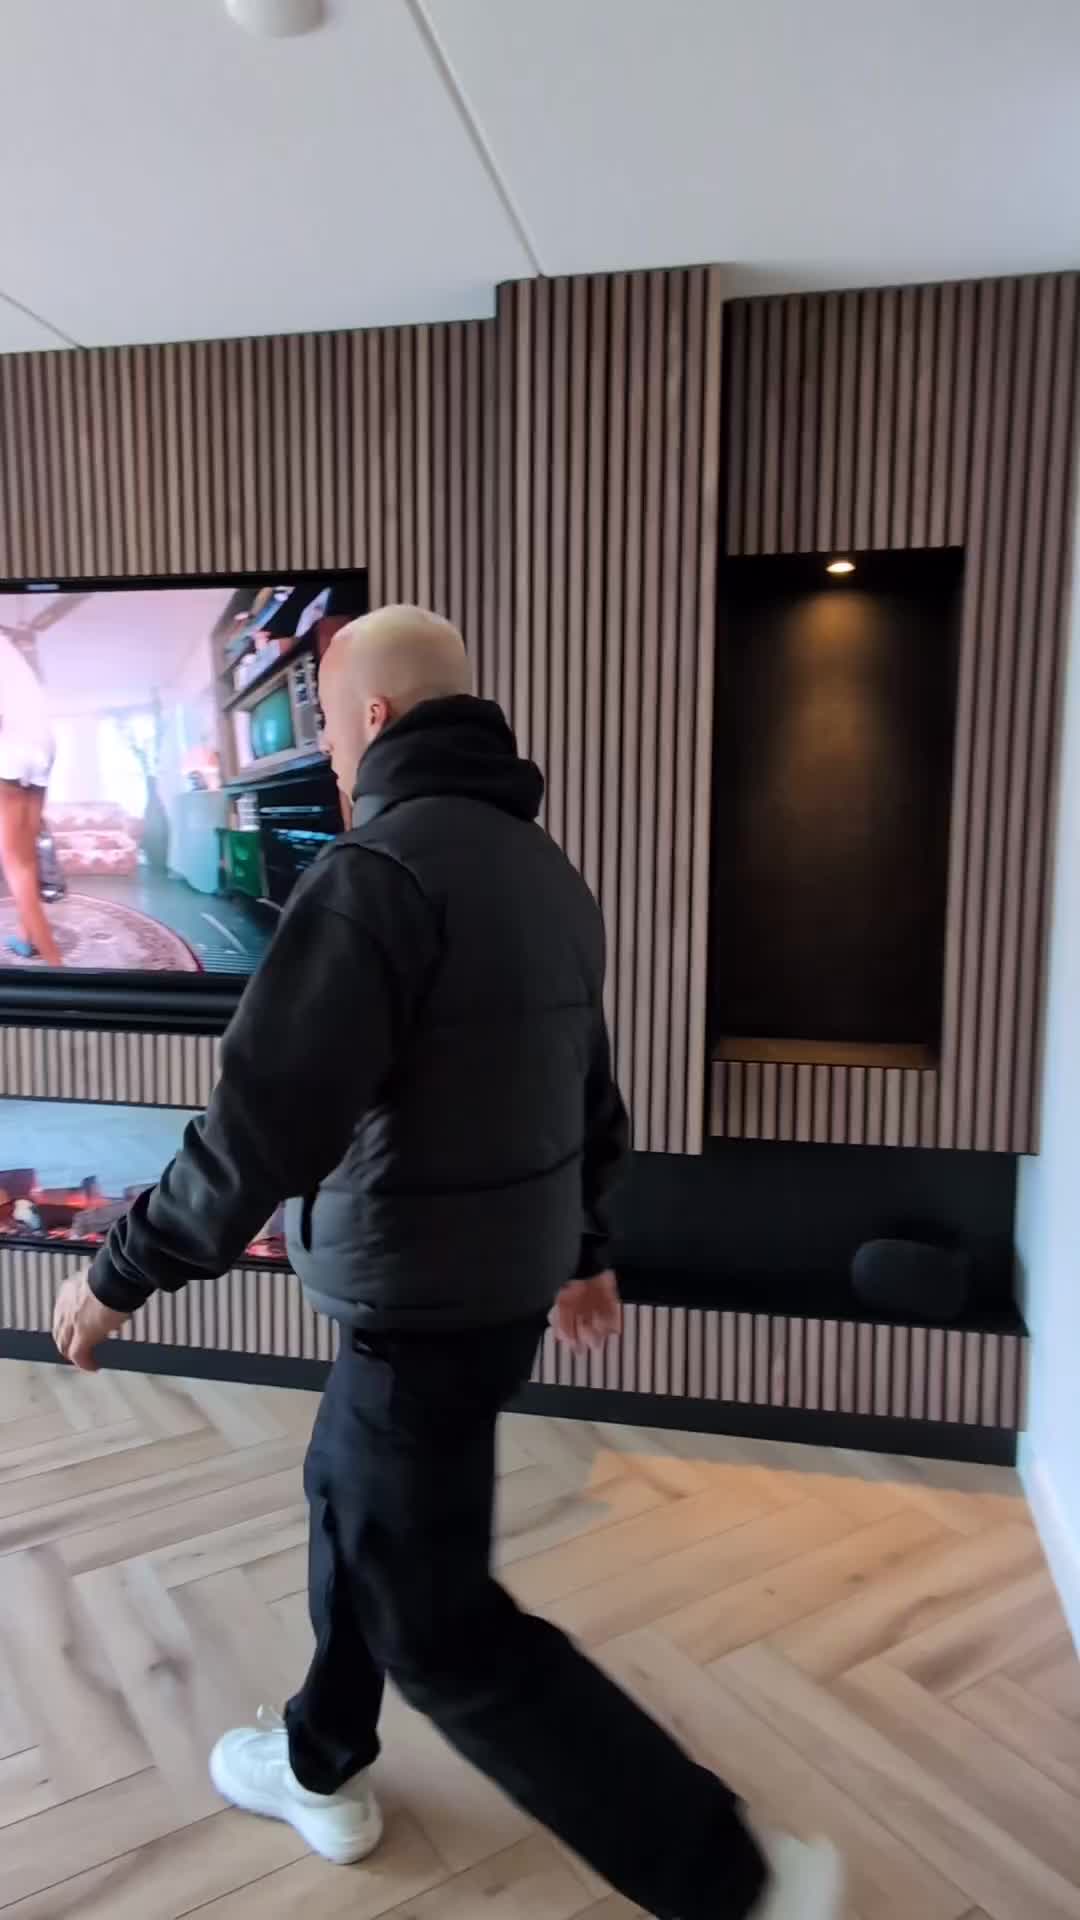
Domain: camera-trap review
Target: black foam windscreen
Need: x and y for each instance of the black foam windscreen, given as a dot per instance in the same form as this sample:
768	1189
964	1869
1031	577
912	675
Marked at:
912	1277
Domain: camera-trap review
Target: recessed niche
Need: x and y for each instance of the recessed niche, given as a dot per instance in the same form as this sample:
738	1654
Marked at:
835	719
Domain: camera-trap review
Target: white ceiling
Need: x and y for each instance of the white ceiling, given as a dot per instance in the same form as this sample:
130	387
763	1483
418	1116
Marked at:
168	177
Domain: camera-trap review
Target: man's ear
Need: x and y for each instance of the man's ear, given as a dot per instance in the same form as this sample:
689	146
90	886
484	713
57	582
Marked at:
378	715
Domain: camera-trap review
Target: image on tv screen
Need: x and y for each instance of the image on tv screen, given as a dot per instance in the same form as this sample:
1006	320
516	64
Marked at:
272	725
67	1171
162	780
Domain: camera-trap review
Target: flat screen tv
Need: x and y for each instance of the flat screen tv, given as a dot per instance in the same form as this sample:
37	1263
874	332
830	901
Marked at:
161	761
88	1163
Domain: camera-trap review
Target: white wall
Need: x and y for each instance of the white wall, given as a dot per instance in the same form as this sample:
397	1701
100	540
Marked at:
1048	1215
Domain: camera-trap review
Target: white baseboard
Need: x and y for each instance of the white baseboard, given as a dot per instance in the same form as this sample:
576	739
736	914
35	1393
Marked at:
1060	1539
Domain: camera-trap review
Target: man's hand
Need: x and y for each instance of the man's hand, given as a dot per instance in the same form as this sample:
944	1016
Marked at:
587	1313
81	1323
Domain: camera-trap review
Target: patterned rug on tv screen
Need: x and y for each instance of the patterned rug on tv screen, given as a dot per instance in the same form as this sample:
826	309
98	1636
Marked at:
104	935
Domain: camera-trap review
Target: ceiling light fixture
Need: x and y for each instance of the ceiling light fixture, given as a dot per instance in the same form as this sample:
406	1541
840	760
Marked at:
277	19
840	566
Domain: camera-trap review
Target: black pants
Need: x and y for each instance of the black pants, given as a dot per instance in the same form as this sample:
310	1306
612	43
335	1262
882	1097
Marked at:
400	1479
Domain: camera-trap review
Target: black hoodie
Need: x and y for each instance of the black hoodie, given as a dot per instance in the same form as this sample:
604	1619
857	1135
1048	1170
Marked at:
420	1065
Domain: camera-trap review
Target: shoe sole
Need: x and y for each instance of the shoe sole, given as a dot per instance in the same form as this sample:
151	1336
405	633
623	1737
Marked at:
829	1883
271	1809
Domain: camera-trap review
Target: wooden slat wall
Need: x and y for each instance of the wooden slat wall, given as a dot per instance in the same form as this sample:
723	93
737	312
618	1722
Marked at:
776	1362
837	1105
608	464
550	480
921	417
126	1069
317	450
361	449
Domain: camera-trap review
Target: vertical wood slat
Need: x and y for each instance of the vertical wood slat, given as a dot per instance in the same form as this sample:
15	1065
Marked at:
933	416
140	1069
317	450
984	641
614	906
611	456
234	454
631	718
551	478
1050	559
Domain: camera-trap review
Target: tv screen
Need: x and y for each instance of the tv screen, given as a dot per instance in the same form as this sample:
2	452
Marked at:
67	1171
162	780
272	725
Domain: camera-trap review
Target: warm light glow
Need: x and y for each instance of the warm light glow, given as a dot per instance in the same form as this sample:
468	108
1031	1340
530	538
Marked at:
840	566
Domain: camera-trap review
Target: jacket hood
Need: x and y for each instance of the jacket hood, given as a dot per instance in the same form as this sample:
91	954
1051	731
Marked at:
457	746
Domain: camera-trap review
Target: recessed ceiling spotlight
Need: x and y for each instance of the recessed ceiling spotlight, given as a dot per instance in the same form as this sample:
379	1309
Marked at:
277	19
840	566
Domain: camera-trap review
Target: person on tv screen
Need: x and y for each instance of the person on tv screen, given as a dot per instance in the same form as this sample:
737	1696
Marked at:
27	749
421	1066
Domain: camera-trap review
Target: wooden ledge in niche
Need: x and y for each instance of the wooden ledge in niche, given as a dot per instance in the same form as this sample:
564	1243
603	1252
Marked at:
826	1053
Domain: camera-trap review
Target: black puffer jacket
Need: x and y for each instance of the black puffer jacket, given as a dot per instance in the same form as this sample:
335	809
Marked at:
420	1066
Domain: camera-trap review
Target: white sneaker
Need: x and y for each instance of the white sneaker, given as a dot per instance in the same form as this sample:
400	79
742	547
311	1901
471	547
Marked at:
250	1768
807	1881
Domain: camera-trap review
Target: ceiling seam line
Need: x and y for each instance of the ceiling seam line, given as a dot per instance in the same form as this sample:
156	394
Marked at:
29	313
476	134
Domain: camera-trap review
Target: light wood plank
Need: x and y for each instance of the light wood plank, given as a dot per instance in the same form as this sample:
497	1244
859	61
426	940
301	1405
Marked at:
25	1786
166	1406
25	1393
240	1414
1015	1797
872	1622
1020	1720
240	1543
17	1435
609	1550
69	1691
82	1833
465	1818
975	1641
238	1647
85	1400
616	1605
526	1527
171	1525
785	1788
114	1481
309	1889
66	1449
1052	1674
923	1809
530	1881
170	1692
276	1576
176	1873
826	1575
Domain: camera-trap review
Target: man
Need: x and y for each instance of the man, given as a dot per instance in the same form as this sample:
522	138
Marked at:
421	1065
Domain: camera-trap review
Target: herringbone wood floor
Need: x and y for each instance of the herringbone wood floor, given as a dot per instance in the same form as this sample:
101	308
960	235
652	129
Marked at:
867	1648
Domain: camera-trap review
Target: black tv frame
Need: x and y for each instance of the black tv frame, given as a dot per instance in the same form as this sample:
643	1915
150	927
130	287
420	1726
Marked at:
143	1002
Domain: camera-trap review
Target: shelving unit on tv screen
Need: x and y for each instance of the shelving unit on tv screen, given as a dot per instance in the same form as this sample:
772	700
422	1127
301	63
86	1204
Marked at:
176	724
